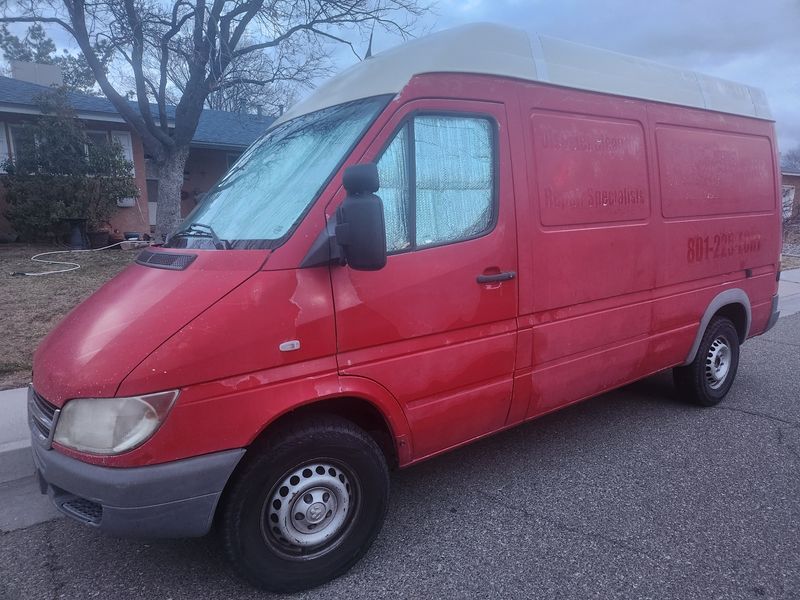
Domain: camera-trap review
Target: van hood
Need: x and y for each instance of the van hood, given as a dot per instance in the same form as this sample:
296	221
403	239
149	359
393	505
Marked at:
105	337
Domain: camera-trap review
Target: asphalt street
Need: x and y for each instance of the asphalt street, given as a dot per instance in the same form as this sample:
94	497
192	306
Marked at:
629	495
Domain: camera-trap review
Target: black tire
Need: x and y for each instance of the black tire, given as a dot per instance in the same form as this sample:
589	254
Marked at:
702	381
342	459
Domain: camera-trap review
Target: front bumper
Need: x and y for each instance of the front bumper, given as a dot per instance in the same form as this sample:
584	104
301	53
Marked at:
171	500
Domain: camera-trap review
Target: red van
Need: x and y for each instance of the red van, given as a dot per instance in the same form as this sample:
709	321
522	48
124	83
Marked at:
448	239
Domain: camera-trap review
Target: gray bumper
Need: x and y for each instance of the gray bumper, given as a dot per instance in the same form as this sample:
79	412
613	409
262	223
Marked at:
773	315
175	499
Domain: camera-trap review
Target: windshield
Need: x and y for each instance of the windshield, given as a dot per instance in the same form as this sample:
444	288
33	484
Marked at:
266	192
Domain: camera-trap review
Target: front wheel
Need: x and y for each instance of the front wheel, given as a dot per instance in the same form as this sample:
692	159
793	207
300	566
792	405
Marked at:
306	506
707	379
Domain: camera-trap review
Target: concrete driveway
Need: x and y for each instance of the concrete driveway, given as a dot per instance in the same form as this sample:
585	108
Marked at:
629	495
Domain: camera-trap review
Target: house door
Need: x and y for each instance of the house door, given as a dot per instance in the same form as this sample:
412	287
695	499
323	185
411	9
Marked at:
437	325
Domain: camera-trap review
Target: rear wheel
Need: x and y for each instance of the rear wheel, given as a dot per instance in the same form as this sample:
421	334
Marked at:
707	379
306	506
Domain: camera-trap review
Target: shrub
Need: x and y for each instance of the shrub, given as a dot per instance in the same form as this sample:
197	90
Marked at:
57	173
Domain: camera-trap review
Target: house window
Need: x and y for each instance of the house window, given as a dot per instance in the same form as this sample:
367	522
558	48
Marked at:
152	200
123	138
21	140
98	138
4	149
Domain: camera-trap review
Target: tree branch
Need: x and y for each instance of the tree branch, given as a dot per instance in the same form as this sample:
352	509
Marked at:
137	56
35	19
77	14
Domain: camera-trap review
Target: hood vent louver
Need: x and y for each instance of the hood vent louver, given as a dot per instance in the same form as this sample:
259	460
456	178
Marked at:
165	260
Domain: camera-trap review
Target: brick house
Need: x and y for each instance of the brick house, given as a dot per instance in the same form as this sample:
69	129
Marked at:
220	138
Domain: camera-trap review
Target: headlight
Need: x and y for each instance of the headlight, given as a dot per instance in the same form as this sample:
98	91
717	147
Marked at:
111	425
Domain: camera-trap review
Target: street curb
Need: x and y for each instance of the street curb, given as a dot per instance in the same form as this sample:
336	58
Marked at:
16	464
16	460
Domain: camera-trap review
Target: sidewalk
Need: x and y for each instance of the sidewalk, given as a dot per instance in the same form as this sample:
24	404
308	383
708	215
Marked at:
15	455
15	441
22	504
789	293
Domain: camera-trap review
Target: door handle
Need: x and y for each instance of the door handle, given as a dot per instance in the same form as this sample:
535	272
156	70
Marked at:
495	277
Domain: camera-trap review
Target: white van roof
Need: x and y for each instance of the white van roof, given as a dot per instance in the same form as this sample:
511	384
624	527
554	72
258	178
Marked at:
488	48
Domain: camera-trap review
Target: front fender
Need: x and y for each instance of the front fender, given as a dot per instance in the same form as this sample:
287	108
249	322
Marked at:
230	413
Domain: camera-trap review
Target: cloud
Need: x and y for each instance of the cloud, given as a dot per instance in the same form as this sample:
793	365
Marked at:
757	43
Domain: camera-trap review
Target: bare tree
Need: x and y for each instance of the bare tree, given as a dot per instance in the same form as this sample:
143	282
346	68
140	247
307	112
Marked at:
220	45
790	160
261	80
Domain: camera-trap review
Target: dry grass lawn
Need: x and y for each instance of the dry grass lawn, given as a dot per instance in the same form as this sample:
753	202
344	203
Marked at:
791	242
32	306
790	262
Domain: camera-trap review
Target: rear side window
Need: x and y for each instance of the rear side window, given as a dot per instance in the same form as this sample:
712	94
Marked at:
705	173
589	170
437	181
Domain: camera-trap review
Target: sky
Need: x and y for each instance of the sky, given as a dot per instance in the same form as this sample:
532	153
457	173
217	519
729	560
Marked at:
756	42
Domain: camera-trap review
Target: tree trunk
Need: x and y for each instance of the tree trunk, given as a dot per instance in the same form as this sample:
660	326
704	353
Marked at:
170	182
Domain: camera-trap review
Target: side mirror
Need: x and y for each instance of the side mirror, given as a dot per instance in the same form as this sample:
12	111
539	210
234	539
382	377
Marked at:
360	228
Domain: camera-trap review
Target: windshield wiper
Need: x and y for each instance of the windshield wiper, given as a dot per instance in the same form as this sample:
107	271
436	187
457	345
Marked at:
203	230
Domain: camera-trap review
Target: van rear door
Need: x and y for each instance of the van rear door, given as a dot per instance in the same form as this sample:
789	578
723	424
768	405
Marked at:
437	325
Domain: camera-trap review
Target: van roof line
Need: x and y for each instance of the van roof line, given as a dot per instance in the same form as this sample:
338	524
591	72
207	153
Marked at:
492	49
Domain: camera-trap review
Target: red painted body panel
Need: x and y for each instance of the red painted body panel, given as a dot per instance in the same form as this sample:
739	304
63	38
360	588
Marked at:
618	253
231	412
430	337
613	295
95	347
241	333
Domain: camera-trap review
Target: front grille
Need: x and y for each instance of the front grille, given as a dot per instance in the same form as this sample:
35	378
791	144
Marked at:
42	417
83	510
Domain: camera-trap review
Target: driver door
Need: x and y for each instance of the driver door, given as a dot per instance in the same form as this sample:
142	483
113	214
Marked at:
437	325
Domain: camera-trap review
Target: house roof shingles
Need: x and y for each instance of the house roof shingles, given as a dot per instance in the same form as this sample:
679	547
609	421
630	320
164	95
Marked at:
216	129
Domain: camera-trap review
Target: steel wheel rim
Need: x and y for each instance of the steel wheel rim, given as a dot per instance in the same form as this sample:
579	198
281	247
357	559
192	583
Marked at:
719	360
309	511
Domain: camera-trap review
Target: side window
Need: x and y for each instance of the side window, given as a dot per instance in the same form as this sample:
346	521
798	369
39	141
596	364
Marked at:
393	172
440	189
453	178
